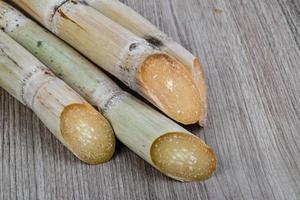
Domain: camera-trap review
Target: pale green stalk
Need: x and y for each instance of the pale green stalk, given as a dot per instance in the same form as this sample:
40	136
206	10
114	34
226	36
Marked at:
68	116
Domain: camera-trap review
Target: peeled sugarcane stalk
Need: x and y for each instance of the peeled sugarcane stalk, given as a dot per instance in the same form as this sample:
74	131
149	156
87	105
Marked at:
131	20
158	140
160	78
84	131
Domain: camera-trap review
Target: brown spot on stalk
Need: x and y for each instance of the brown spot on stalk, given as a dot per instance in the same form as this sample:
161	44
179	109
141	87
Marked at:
74	2
10	58
84	2
39	43
217	11
132	46
154	41
63	15
47	73
57	7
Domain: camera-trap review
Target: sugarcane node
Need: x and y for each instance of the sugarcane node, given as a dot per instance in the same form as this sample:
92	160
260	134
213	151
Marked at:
112	100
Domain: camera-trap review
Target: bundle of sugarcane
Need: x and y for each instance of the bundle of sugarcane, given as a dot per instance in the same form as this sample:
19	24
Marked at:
161	142
162	79
68	116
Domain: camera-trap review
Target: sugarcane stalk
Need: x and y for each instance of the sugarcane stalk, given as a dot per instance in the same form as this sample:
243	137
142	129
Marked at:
137	24
84	131
160	78
165	145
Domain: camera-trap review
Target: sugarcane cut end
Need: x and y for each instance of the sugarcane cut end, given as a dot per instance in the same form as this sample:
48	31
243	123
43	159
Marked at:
171	87
87	133
203	90
183	157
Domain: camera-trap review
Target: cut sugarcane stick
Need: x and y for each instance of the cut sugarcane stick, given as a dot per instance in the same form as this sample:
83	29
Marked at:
83	130
158	140
160	78
131	20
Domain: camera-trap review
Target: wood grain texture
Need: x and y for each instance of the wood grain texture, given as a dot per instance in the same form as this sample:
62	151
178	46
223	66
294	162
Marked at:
251	55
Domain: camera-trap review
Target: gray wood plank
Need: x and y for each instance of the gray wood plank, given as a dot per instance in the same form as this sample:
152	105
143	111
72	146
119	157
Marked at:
251	55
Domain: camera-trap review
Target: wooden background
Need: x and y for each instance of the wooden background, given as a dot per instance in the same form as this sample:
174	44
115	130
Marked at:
250	50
